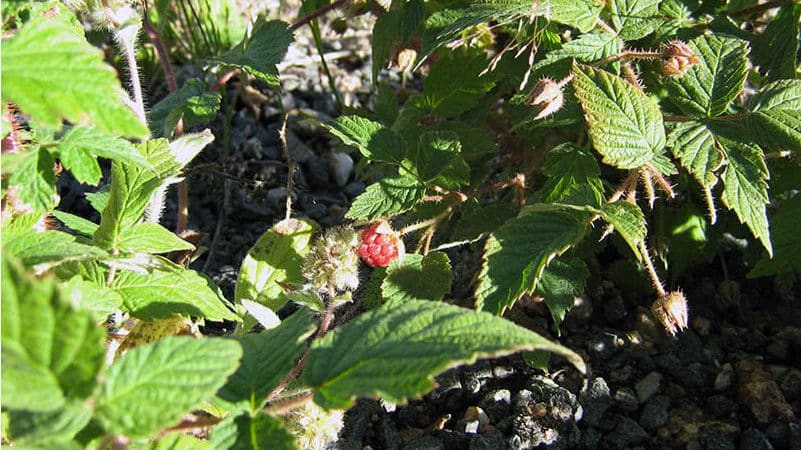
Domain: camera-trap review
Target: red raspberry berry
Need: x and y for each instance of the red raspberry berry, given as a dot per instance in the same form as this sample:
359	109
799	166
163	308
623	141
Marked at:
380	245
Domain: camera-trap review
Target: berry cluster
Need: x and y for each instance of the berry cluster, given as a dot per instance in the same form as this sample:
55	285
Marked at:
380	245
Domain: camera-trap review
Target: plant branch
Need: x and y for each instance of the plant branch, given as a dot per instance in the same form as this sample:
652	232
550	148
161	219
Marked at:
756	9
284	407
315	14
155	38
649	266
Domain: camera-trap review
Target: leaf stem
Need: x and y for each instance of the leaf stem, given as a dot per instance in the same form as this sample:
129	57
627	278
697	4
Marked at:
756	9
315	14
284	407
649	266
164	61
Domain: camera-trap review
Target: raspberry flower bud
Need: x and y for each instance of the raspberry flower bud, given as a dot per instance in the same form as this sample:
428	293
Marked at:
671	310
380	244
547	96
677	57
332	259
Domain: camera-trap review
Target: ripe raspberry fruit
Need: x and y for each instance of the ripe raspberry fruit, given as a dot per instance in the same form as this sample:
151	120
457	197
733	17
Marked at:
380	244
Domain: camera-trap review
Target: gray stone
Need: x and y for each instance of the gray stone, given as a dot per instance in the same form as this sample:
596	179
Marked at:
794	435
648	386
252	148
298	151
340	167
615	310
489	441
315	210
276	197
426	443
714	441
353	189
626	399
627	433
654	413
590	438
603	346
497	404
753	439
317	171
595	399
723	380
390	434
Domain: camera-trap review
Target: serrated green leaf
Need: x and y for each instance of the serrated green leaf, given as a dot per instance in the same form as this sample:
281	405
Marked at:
370	138
246	432
562	281
634	19
573	177
516	254
50	350
42	429
151	386
131	189
83	142
629	222
261	51
418	277
625	125
179	442
707	89
776	122
435	152
99	299
776	48
694	145
48	248
36	181
745	190
164	294
386	197
580	14
149	237
786	241
52	73
273	261
447	92
386	104
99	198
395	351
268	357
79	225
192	103
587	48
307	297
478	219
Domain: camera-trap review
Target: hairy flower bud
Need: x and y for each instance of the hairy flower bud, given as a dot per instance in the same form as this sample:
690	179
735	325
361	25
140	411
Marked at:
333	259
671	310
406	60
677	57
547	96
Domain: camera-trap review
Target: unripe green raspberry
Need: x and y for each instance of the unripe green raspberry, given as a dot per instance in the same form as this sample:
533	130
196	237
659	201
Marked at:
333	259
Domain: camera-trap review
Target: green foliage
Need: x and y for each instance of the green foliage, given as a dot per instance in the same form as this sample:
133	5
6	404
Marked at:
386	197
192	104
66	80
418	277
261	51
395	350
245	432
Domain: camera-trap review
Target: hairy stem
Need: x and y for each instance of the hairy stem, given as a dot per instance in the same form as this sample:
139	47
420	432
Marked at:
126	38
649	266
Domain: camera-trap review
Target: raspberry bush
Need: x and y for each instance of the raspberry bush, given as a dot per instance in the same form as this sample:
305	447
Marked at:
539	134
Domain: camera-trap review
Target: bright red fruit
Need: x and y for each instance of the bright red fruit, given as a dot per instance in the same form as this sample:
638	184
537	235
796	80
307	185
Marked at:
380	245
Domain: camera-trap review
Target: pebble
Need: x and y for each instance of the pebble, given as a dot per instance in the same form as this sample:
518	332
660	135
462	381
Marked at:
604	345
648	386
353	189
317	171
758	393
654	413
595	399
626	433
489	441
340	166
426	443
626	399
298	151
753	439
252	148
497	404
714	441
724	379
794	435
276	197
615	310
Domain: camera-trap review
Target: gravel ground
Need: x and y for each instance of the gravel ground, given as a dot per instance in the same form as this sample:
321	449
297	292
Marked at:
731	381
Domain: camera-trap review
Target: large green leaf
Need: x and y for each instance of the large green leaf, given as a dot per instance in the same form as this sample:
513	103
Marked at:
395	351
52	73
628	220
562	281
435	152
634	19
395	28
386	197
192	104
97	298
149	237
162	294
586	48
694	145
268	357
45	429
48	248
707	89
261	51
50	350
516	254
418	277
80	146
573	177
246	432
151	386
35	181
786	241
370	138
580	14
625	124
447	92
776	123
745	189
775	49
274	261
